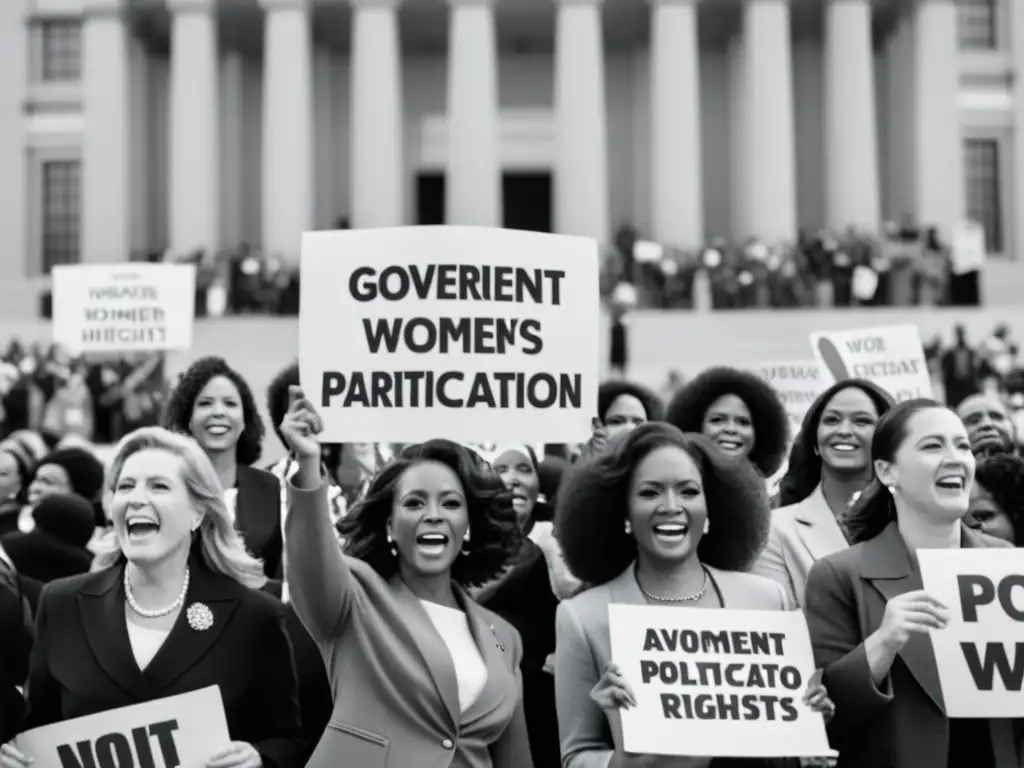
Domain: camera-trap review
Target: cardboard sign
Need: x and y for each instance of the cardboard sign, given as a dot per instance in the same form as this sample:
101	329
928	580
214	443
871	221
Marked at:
798	384
980	654
177	732
892	357
716	683
467	333
123	307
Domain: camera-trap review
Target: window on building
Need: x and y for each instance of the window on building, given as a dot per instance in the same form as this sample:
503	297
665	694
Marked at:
976	20
984	203
61	51
61	209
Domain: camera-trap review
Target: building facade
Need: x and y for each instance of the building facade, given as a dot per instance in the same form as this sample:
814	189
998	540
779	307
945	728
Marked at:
135	126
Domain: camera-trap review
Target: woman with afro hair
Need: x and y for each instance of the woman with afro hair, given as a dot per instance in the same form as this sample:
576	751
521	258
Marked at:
214	405
736	410
829	466
660	518
621	406
421	673
997	498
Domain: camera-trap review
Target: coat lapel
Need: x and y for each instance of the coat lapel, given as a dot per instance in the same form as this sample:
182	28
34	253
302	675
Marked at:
186	645
101	605
887	565
495	655
817	527
431	647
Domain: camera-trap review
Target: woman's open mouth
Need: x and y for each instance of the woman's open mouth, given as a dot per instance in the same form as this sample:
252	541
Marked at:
432	544
141	527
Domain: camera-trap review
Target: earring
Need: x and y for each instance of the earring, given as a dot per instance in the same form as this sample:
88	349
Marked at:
465	540
892	489
628	527
707	525
391	545
466	537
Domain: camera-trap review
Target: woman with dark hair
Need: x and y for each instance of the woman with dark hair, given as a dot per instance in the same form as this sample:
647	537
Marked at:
829	465
213	404
997	498
738	411
621	406
869	617
661	518
421	674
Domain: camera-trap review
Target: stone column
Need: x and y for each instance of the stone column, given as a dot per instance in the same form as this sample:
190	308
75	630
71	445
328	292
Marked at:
378	130
581	145
852	186
739	141
195	203
106	196
287	209
473	184
768	68
939	166
678	194
1013	245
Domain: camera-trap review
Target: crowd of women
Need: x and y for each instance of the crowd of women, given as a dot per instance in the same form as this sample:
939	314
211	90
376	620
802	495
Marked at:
443	607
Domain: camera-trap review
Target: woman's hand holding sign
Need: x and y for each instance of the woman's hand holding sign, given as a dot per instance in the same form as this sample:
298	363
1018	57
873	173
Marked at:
908	613
11	757
300	426
612	691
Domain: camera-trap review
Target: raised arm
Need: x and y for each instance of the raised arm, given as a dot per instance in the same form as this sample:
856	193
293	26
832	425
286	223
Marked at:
319	582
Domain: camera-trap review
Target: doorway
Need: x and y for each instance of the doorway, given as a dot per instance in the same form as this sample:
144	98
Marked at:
526	200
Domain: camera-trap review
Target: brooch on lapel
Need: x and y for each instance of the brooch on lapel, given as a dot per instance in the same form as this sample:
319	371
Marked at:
496	641
199	616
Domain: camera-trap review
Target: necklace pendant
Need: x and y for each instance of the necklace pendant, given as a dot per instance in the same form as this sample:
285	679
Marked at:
199	616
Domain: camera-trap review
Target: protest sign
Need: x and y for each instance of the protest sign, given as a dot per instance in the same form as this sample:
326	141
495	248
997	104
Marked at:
980	653
716	683
123	307
798	384
892	357
177	732
467	333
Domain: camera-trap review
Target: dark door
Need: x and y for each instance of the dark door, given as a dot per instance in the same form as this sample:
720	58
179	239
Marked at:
430	199
527	201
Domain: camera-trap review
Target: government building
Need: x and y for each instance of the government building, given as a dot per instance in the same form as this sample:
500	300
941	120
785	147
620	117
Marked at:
130	127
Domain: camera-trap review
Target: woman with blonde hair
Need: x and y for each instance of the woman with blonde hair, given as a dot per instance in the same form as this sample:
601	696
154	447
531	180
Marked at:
171	607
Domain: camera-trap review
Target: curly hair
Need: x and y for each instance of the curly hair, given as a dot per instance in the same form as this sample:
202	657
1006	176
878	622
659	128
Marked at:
804	471
1002	475
593	503
689	405
182	401
497	537
612	390
874	510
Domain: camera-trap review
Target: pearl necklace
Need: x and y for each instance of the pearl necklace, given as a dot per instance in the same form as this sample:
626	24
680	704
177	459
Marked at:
138	609
684	599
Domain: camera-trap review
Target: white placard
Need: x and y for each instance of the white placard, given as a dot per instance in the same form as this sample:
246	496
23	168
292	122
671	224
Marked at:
467	333
798	384
718	683
177	732
129	307
980	654
968	252
892	357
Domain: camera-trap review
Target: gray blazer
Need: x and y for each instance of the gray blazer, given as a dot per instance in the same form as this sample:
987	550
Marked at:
393	684
589	735
800	534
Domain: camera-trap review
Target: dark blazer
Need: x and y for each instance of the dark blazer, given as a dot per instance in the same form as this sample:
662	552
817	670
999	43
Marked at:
14	652
396	698
258	517
902	723
82	661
